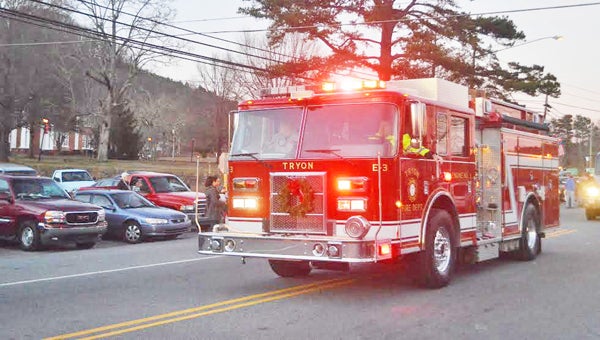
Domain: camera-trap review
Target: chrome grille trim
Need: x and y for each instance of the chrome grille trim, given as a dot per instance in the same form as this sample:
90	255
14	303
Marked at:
314	222
87	217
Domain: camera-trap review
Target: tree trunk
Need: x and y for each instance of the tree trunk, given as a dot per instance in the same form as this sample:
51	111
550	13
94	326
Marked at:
4	143
31	138
104	137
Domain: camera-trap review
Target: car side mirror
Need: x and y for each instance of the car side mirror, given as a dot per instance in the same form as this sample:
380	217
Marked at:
5	196
57	179
109	207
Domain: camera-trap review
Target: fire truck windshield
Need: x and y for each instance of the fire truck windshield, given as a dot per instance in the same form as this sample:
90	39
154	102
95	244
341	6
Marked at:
330	131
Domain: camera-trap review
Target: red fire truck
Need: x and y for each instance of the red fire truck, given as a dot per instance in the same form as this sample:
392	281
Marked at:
322	179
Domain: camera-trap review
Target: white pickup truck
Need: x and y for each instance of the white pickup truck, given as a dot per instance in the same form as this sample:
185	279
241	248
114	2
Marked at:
72	179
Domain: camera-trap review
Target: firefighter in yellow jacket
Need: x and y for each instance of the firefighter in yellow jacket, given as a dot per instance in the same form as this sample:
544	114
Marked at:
412	146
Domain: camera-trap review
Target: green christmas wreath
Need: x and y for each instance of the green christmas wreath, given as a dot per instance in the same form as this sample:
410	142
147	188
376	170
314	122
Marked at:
297	197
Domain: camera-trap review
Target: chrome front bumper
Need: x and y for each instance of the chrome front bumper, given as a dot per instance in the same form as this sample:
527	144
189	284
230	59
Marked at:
295	247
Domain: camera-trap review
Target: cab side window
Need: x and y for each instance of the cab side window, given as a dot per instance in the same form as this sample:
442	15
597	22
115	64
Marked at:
458	137
442	134
101	201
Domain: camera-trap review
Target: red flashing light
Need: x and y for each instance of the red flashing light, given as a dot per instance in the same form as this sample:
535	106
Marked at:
447	176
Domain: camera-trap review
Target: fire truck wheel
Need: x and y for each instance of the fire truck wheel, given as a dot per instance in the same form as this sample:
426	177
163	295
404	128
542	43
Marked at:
290	268
439	257
530	243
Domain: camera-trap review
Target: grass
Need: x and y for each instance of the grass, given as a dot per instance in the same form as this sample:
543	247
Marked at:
180	166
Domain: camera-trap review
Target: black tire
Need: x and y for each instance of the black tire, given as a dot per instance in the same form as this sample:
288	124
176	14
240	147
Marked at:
530	244
85	245
290	268
590	214
29	236
132	233
438	260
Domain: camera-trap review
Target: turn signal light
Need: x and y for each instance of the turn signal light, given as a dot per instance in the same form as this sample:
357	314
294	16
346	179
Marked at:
245	184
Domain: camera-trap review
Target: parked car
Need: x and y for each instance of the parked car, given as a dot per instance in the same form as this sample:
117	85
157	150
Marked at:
17	170
73	179
133	218
37	212
104	183
169	191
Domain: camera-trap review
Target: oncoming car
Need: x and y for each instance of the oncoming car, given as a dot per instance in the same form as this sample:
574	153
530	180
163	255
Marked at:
133	218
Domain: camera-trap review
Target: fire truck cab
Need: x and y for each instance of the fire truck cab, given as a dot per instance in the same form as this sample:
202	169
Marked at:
325	178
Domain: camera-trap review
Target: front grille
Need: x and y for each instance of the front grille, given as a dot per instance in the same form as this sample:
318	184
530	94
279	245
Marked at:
201	207
84	217
281	220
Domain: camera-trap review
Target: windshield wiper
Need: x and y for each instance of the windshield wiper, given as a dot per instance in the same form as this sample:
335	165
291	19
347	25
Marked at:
253	156
331	152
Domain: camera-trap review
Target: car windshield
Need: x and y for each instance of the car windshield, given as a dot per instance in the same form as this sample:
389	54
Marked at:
163	184
130	200
330	131
37	188
76	176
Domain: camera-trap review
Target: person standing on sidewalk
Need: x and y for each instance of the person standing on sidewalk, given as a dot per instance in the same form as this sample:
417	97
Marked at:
570	191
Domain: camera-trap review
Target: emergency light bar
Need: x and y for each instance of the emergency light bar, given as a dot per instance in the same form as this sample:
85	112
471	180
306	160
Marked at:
302	91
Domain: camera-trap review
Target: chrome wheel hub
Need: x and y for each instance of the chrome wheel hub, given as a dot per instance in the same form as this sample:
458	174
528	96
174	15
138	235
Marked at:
27	237
442	250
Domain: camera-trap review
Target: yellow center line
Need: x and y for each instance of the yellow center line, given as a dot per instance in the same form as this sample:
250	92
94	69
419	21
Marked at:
236	303
561	233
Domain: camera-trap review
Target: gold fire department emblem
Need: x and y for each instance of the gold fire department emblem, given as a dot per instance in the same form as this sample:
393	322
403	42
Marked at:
412	189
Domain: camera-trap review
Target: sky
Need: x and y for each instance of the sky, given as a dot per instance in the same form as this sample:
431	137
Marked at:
573	59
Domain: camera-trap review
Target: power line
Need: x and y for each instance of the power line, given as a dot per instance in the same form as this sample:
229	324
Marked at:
68	28
411	19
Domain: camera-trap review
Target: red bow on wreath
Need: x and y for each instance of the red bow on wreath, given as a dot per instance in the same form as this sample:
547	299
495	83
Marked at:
296	190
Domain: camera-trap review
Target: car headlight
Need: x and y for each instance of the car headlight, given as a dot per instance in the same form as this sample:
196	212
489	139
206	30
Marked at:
52	216
101	215
156	220
186	208
245	203
593	191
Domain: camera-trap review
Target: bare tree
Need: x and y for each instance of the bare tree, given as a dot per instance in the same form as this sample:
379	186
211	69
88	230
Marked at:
126	28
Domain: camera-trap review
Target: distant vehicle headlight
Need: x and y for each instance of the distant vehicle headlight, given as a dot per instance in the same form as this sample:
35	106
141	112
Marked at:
52	216
156	220
593	191
186	208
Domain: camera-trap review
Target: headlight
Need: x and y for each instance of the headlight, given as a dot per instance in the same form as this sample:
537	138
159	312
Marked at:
101	215
52	216
245	203
351	204
593	191
186	208
156	220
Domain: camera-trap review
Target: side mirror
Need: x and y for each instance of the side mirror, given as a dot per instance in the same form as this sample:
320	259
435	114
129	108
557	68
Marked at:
109	207
57	179
6	196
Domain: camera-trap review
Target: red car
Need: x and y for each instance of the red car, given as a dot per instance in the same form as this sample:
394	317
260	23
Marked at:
167	190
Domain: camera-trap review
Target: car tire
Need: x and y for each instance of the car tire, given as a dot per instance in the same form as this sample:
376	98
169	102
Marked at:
290	268
29	236
85	245
530	244
438	259
132	232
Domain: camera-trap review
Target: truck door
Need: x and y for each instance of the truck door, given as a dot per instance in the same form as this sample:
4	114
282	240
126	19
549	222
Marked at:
5	205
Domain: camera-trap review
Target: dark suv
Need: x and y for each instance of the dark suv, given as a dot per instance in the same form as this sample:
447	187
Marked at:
37	212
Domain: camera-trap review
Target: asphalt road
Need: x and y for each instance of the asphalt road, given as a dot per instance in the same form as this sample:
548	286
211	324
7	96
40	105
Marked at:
165	290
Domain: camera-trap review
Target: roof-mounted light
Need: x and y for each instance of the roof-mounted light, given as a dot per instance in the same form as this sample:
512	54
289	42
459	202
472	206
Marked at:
353	85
